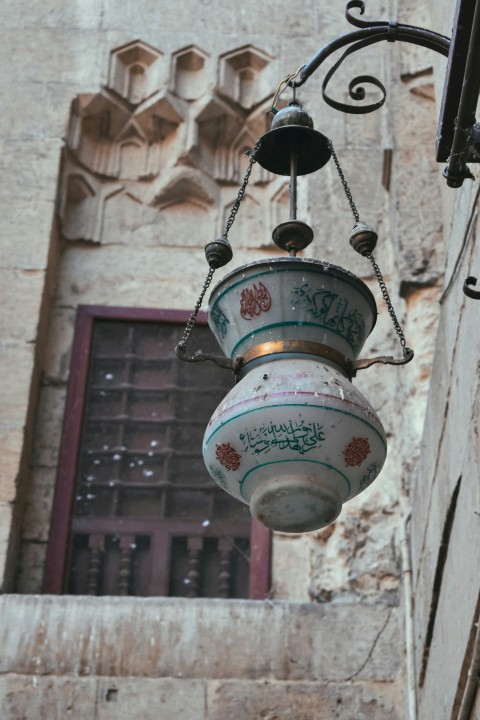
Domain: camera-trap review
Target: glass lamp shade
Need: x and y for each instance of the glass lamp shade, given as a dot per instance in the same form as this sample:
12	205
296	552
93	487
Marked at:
294	438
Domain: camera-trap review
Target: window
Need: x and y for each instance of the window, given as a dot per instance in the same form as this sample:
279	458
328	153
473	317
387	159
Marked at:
135	511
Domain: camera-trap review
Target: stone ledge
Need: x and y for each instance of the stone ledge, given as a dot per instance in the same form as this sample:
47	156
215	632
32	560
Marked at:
216	639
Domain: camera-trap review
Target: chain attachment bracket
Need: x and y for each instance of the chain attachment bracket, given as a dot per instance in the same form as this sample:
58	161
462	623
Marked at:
364	363
199	356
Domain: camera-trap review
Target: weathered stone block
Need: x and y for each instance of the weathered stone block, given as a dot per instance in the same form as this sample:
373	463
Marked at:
437	406
171	637
59	345
151	699
11	444
446	461
5	528
21	288
417	233
52	15
368	538
291	567
452	629
149	277
49	426
440	501
62	54
25	229
304	701
16	366
331	218
39	698
31	565
30	169
39	505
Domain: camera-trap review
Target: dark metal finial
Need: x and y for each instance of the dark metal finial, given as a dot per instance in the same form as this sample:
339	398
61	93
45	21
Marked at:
363	238
218	252
467	288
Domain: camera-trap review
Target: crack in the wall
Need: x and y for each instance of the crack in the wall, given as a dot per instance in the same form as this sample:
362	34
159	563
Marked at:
372	648
437	582
462	687
468	233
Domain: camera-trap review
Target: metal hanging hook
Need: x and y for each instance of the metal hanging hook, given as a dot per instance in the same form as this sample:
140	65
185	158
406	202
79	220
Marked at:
467	288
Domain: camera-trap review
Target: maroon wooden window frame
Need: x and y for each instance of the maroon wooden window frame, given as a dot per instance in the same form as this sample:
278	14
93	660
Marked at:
61	521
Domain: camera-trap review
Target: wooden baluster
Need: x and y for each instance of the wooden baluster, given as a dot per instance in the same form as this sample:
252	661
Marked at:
225	570
127	545
194	547
96	545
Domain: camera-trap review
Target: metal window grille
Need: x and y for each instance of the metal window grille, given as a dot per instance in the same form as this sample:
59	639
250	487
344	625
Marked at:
146	517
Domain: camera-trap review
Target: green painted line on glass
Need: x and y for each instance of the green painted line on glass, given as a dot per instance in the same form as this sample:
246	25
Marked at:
296	460
300	405
234	351
348	280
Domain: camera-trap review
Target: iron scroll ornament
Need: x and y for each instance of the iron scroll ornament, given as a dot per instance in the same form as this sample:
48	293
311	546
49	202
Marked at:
368	34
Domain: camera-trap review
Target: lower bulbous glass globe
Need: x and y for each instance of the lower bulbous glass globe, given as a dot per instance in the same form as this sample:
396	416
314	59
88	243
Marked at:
294	439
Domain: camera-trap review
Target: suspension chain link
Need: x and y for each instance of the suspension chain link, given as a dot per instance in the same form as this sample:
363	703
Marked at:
346	189
241	192
388	302
377	272
182	344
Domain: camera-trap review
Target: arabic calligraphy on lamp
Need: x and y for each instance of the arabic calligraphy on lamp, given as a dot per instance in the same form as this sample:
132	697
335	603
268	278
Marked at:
294	438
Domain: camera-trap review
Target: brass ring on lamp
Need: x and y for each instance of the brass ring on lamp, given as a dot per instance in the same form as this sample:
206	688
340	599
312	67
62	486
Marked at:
306	347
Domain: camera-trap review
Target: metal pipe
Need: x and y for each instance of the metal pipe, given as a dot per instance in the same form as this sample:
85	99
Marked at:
409	629
293	186
456	170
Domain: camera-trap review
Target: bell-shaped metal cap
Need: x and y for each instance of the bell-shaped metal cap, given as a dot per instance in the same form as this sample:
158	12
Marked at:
292	133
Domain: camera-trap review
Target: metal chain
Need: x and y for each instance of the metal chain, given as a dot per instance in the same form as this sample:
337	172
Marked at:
369	255
242	190
182	345
388	302
347	190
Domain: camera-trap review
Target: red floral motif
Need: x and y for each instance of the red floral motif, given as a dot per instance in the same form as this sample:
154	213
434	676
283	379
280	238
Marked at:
254	300
228	456
356	451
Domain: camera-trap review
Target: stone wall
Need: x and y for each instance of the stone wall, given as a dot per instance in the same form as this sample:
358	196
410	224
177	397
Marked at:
445	522
115	179
201	659
445	528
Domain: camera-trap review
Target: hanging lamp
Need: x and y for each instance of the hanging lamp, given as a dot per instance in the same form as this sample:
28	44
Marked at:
294	438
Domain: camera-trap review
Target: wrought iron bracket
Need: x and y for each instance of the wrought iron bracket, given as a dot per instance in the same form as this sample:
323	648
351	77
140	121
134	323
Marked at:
458	135
368	34
467	288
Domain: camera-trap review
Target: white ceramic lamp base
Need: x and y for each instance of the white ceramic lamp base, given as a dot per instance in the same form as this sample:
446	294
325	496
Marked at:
295	504
294	439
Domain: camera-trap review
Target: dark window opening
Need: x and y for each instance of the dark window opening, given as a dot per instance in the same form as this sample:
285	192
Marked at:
135	511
